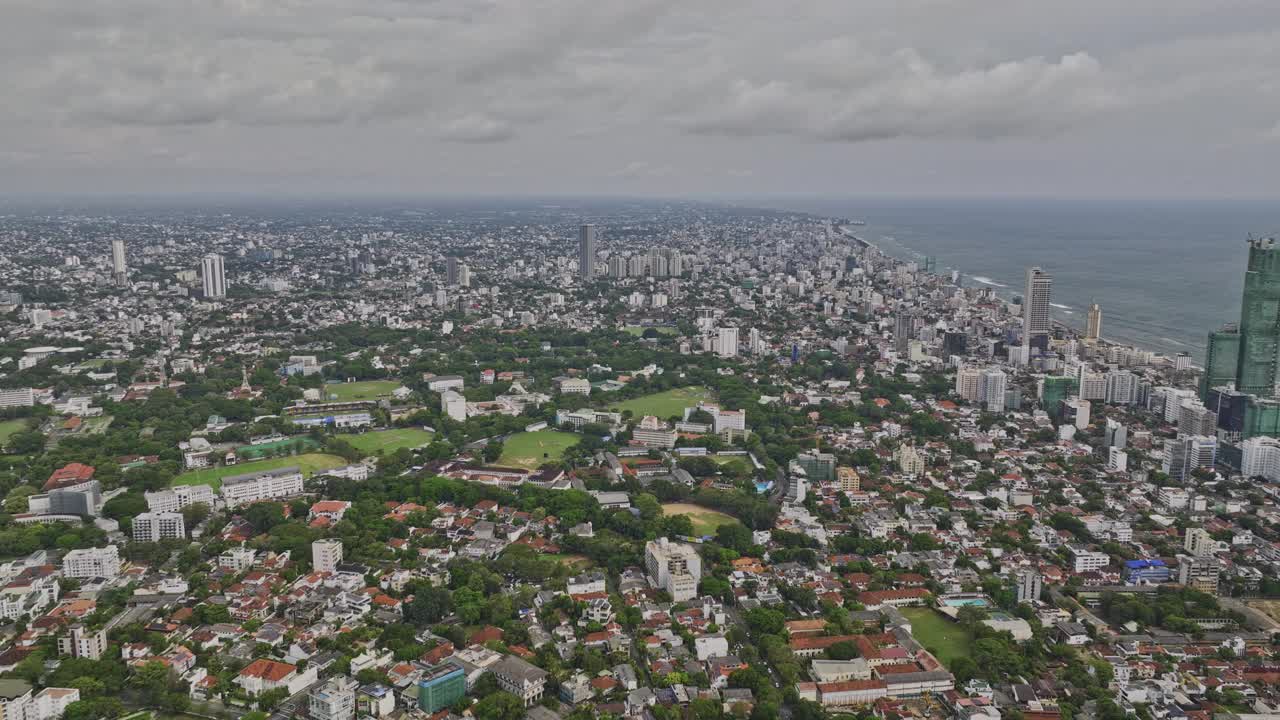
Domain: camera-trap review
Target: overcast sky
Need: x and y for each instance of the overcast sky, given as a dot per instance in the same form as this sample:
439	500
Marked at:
1148	98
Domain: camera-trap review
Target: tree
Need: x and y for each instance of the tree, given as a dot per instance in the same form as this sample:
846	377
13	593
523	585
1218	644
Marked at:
429	605
499	706
16	501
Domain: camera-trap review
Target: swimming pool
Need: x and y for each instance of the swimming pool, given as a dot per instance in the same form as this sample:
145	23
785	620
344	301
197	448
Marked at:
966	601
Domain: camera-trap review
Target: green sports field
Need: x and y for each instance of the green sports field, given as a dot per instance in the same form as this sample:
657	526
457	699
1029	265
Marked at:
388	441
309	462
9	427
365	390
944	638
533	449
664	404
705	520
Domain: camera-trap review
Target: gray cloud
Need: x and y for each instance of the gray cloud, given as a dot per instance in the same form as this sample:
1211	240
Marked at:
317	85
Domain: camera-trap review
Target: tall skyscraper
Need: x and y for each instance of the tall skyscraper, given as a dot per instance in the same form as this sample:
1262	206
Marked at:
904	327
1093	327
587	252
451	271
213	275
1260	320
727	342
1221	360
118	267
1035	305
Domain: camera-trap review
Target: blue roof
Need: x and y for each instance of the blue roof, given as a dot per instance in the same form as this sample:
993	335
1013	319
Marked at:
1136	564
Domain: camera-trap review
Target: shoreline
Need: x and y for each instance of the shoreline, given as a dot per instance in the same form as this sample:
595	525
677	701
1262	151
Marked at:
987	282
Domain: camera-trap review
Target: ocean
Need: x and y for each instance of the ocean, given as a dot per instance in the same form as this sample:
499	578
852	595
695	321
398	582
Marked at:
1164	273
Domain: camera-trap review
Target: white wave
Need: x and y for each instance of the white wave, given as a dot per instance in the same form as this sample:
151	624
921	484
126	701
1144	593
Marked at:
1175	342
1060	307
986	281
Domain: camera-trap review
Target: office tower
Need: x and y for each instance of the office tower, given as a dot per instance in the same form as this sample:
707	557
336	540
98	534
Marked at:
326	555
1053	391
213	275
1114	435
1030	583
118	267
617	266
673	567
1093	326
1035	305
157	526
757	343
1260	320
1188	453
903	330
464	275
1221	359
1076	411
994	382
586	252
451	271
727	342
676	267
955	343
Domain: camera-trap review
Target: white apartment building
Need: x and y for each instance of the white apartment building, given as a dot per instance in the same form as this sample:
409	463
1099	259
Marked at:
17	397
727	342
82	642
1260	458
178	497
157	526
92	563
237	559
326	555
1084	560
674	567
265	485
335	700
454	405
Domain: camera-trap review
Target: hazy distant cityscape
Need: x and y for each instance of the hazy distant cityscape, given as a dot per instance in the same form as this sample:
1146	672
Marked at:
600	458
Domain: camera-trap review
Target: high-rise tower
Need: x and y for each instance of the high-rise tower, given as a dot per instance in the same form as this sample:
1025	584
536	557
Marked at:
1093	326
1260	320
118	267
586	252
213	275
1035	305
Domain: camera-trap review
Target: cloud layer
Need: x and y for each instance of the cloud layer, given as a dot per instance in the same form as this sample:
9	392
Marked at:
305	86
